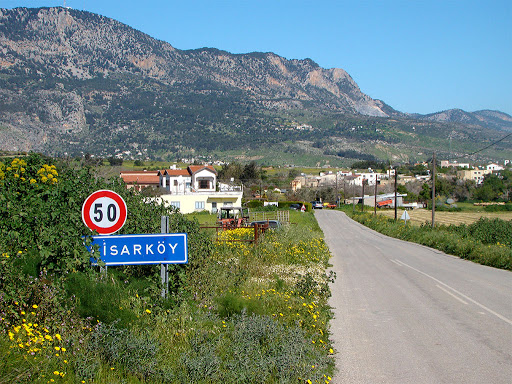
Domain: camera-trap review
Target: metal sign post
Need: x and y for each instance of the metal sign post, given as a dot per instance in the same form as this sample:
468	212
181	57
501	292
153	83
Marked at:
105	212
405	217
164	271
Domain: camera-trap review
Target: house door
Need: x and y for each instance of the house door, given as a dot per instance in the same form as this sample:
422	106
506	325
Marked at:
214	207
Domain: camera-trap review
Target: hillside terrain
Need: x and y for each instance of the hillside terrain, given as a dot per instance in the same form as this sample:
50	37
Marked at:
73	82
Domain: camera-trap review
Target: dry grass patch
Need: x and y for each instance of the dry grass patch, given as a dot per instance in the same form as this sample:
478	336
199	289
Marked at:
420	216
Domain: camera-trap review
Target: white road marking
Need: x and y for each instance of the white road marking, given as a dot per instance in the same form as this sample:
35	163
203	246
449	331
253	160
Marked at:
458	293
393	261
451	294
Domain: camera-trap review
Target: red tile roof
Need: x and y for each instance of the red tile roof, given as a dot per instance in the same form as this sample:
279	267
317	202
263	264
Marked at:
140	177
196	168
177	172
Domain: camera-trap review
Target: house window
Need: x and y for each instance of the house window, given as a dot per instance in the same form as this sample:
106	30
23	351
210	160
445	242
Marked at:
199	205
175	183
175	204
204	184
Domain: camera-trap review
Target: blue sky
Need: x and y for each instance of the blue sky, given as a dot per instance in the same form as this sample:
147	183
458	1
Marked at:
417	56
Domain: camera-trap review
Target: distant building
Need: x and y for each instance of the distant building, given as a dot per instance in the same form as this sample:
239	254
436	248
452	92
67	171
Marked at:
494	167
195	189
140	179
477	175
383	200
195	178
192	189
447	163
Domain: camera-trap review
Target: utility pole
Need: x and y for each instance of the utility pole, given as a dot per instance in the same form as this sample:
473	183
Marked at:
433	188
396	193
362	200
375	202
344	187
353	195
164	271
337	199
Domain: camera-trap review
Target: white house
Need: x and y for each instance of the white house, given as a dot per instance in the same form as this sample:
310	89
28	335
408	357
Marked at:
494	167
447	163
370	178
195	189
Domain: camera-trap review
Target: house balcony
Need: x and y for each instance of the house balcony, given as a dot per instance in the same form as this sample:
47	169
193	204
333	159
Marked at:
224	190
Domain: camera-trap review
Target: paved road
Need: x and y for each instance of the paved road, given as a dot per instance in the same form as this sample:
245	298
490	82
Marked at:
405	313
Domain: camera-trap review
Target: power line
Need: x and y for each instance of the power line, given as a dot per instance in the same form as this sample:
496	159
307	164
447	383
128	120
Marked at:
483	149
474	153
490	145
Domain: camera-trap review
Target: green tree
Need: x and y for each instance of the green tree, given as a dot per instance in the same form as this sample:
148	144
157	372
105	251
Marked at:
231	170
463	189
426	193
113	161
493	187
251	172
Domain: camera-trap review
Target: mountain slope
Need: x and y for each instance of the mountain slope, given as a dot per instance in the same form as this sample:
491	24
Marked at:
73	82
491	119
74	44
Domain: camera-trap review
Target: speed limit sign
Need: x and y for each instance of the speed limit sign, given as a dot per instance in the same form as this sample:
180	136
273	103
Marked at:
104	211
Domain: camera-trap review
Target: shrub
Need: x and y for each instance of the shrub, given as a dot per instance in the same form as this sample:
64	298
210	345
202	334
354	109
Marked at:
492	231
254	349
99	298
486	241
231	304
136	353
254	204
497	208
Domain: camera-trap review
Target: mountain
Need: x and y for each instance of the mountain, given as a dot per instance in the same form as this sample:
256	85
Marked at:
485	118
73	82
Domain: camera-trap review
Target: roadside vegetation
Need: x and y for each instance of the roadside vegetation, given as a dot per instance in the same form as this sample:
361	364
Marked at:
465	214
485	241
238	312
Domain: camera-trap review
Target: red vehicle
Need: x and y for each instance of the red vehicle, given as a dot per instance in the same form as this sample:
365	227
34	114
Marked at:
231	217
384	203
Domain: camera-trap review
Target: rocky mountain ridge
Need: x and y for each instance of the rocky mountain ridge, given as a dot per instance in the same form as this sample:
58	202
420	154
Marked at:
78	44
72	81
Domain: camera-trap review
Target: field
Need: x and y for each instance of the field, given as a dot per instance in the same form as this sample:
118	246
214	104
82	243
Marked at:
420	216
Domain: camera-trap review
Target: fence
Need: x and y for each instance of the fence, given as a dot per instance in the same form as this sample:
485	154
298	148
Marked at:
282	216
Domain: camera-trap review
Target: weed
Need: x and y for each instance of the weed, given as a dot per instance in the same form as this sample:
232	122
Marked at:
255	349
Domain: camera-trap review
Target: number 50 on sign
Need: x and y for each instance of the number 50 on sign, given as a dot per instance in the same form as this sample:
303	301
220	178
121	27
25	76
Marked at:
104	211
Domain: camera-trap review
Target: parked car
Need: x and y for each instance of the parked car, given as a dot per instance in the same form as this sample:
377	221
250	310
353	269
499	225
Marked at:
317	204
296	206
271	223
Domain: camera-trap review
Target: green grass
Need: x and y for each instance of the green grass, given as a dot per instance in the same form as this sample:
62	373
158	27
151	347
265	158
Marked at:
484	242
264	304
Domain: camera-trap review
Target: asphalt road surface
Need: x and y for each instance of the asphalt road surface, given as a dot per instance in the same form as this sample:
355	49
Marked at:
405	313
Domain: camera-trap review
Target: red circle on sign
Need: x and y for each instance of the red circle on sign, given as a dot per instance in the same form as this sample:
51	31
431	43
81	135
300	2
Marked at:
117	224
